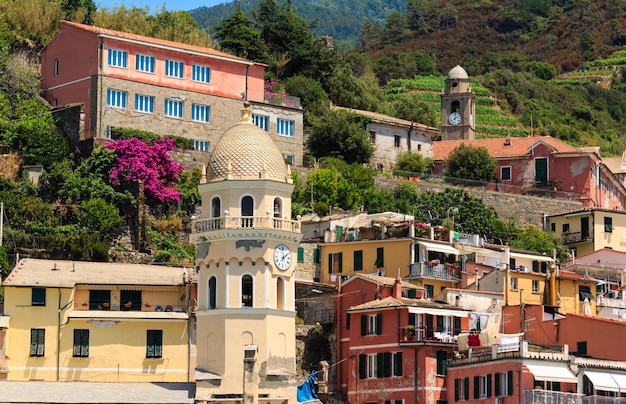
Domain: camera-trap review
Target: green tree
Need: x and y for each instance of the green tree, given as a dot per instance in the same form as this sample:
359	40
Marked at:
413	109
99	216
340	134
396	29
312	96
412	162
544	71
236	34
406	196
471	163
79	10
533	239
4	263
347	90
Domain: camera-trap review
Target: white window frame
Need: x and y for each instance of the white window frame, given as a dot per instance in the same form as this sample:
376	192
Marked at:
483	386
371	325
504	384
448	325
372	366
514	284
201	145
535	286
117	58
201	74
289	158
174	68
262	121
144	63
117	98
144	103
502	173
285	127
173	108
200	113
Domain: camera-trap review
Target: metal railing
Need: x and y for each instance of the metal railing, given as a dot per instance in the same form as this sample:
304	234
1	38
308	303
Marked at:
441	271
558	397
245	222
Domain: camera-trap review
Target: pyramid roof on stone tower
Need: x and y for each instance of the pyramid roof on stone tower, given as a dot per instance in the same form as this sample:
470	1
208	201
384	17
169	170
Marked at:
457	72
245	151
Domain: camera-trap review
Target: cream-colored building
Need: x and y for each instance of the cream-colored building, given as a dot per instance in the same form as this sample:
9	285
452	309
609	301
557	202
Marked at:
98	322
245	255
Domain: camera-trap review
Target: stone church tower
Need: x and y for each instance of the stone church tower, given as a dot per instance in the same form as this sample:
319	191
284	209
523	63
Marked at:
458	107
245	243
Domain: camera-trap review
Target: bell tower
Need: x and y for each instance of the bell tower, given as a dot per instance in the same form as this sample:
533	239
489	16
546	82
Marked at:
458	109
245	244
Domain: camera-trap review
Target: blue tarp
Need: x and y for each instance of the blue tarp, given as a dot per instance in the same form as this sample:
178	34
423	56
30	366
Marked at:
307	391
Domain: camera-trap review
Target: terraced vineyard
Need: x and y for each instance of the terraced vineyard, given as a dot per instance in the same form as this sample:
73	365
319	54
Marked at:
491	121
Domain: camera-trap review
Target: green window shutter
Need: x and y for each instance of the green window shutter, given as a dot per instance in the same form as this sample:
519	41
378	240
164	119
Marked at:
316	256
442	367
380	364
457	325
348	321
300	254
509	382
466	387
496	380
358	260
362	366
439	323
457	385
476	386
330	263
380	257
397	364
412	293
379	323
340	256
489	385
363	324
387	364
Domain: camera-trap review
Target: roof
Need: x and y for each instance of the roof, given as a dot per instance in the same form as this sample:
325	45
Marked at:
503	147
391	302
383	281
67	274
245	151
127	36
95	392
573	275
386	119
457	72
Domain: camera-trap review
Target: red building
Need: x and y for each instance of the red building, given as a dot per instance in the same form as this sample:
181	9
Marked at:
545	166
393	348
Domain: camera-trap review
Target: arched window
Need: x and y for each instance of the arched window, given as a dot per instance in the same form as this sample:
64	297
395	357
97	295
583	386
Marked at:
278	208
456	106
280	293
216	207
246	291
212	293
247	209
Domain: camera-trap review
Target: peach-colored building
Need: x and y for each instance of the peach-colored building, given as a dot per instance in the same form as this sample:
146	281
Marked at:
132	81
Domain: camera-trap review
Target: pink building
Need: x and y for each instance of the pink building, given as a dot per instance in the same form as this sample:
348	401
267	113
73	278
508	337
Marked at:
133	81
545	166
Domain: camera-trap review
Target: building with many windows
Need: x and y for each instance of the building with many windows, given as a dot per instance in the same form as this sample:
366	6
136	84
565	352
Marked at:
99	322
132	81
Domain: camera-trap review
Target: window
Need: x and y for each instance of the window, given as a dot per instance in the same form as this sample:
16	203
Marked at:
56	67
371	324
201	73
174	69
117	58
130	300
372	136
285	127
335	264
212	290
144	63
397	364
288	158
444	324
247	291
381	364
513	283
608	225
380	257
584	292
300	254
552	227
316	256
154	344
504	384
200	113
442	364
535	286
38	297
482	386
396	141
430	290
505	173
81	343
461	389
116	98
358	260
581	348
173	108
99	299
107	131
201	145
565	227
261	121
37	341
144	103
394	401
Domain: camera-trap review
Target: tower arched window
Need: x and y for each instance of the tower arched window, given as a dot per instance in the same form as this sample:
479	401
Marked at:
216	207
278	207
212	293
280	294
247	209
247	291
455	107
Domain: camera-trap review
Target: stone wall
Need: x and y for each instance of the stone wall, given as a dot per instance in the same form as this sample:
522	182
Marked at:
307	270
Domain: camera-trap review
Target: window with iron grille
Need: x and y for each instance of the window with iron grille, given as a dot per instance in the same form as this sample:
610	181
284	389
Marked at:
154	344
37	341
81	343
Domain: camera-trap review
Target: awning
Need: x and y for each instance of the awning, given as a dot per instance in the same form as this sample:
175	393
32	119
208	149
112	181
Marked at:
620	379
203	374
444	248
540	258
551	372
602	380
438	312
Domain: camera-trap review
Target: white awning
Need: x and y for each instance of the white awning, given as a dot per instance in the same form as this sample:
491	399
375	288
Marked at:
438	312
203	374
602	380
620	379
444	248
540	258
552	372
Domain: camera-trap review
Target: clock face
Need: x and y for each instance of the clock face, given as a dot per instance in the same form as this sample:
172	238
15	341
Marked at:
455	118
282	257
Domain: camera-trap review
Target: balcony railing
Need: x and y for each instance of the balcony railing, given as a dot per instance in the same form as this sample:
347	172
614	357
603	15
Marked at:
245	222
283	100
555	397
574	237
420	334
441	271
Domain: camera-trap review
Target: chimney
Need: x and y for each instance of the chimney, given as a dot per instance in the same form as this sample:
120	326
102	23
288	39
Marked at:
396	291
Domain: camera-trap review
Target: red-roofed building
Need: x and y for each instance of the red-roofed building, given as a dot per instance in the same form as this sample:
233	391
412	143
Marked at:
547	166
134	81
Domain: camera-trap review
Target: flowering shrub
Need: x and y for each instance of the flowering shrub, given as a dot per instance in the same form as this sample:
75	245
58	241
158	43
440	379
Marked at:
137	161
422	229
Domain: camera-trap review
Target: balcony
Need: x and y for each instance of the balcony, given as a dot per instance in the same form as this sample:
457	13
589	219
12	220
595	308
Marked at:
574	237
245	222
282	100
438	271
420	334
557	397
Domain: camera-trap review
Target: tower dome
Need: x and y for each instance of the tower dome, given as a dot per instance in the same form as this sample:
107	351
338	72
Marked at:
457	72
246	151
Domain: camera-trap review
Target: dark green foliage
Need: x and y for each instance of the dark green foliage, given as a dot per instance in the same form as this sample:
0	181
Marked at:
413	109
237	35
120	133
533	239
542	70
4	263
414	163
471	163
187	183
406	196
406	65
99	216
347	90
311	93
79	10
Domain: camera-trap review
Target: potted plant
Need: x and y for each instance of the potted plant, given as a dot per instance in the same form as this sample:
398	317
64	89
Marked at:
147	304
168	307
410	332
105	304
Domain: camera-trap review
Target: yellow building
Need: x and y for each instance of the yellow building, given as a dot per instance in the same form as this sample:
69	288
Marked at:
245	255
98	322
588	230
